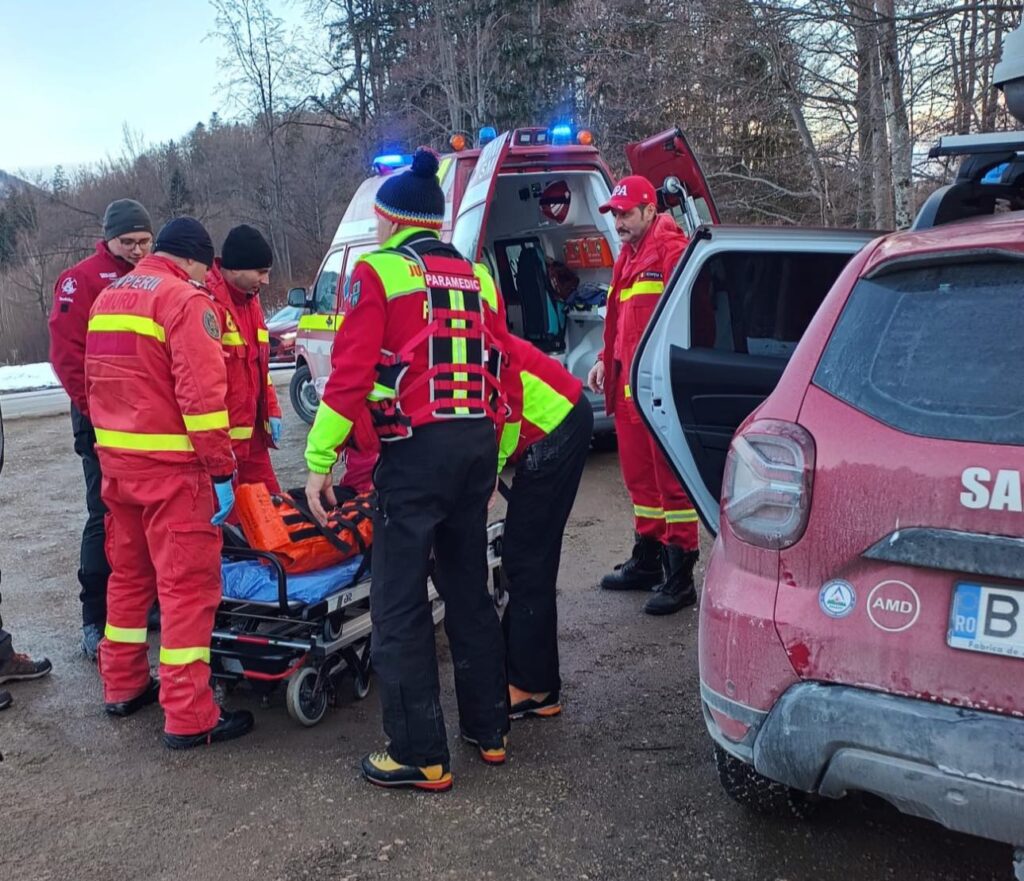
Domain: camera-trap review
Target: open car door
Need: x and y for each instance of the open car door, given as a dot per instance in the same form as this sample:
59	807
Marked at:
467	233
667	161
725	328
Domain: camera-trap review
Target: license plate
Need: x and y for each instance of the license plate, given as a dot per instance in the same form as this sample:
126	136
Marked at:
987	619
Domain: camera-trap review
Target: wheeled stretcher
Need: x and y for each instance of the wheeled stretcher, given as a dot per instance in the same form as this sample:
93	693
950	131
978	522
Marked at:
309	631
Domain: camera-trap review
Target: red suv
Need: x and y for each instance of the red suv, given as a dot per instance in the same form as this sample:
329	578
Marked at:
857	447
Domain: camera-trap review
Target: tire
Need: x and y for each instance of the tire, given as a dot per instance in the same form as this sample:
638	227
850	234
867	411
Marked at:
333	626
360	681
759	794
305	400
306	705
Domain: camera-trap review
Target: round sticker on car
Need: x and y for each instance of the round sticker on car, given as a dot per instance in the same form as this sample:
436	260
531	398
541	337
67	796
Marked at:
893	606
837	598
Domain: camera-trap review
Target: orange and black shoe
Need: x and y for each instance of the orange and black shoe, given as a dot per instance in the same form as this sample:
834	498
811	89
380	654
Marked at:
540	705
492	752
382	770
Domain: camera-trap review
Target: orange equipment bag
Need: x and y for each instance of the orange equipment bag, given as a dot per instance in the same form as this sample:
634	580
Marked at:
283	525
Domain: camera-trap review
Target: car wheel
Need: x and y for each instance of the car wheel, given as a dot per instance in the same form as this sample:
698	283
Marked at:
305	400
756	792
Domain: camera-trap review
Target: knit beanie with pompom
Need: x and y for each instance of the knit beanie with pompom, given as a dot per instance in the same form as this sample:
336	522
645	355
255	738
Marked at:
414	197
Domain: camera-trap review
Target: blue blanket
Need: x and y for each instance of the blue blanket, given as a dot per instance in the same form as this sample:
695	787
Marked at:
253	580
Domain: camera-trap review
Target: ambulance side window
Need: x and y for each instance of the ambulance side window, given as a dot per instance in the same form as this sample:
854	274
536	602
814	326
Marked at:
354	253
325	294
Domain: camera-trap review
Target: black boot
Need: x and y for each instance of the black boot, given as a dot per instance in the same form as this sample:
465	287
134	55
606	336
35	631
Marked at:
641	571
677	590
232	724
149	695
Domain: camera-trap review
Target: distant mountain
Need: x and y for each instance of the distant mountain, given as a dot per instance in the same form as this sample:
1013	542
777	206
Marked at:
9	183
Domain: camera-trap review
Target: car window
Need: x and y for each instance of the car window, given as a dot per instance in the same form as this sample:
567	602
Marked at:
286	313
759	303
934	351
354	253
326	290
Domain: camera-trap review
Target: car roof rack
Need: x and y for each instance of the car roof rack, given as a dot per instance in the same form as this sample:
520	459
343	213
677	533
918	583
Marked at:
991	171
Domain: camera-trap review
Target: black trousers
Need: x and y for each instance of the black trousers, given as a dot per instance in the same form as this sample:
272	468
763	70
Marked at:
6	648
94	570
543	492
432	493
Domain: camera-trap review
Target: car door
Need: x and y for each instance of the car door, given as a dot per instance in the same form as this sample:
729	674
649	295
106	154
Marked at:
668	155
467	233
726	327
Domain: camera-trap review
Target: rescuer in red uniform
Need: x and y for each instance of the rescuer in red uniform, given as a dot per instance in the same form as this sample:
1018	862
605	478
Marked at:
127	238
156	385
414	362
666	549
547	437
253	411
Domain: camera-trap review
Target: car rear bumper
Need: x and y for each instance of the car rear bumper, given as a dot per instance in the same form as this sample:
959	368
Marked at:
961	768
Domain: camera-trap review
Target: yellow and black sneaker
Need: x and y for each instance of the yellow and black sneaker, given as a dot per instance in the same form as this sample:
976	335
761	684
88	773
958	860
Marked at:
382	770
493	753
523	704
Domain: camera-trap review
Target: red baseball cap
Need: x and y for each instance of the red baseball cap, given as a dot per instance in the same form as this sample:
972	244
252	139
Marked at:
630	192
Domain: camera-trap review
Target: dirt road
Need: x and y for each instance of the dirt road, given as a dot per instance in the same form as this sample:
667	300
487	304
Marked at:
621	786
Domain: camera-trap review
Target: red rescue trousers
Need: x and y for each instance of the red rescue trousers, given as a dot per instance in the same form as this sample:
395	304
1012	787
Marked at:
254	466
160	543
662	509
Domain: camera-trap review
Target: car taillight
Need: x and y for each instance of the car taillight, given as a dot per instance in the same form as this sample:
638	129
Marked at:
766	490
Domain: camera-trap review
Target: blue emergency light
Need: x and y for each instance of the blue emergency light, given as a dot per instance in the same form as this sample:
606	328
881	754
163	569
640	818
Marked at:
390	161
561	135
487	134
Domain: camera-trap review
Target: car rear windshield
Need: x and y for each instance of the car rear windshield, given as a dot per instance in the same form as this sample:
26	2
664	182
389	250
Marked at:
935	350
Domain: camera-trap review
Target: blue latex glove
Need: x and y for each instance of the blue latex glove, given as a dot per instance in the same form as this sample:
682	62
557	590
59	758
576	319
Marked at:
275	429
225	501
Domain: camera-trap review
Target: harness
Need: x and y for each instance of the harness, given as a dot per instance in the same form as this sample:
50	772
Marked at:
463	356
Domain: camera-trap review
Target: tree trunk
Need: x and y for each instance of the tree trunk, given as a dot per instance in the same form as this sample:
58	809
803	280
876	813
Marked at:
896	118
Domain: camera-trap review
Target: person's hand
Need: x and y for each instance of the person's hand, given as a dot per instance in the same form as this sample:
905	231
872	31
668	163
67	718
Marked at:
595	379
317	485
225	492
275	429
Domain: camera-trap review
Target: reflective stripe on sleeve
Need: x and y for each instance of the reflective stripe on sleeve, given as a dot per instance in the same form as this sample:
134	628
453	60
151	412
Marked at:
206	421
127	324
132	440
262	336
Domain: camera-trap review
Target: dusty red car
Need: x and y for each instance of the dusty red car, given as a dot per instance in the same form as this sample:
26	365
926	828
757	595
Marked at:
283	326
858	449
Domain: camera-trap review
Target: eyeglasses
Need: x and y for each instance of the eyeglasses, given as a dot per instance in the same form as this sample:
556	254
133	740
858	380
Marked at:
132	244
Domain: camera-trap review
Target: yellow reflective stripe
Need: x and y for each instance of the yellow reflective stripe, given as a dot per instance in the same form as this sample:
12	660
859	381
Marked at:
133	635
460	350
127	324
232	338
488	291
686	515
442	168
330	430
627	391
395	271
206	421
262	336
542	405
649	513
131	440
320	322
510	434
380	393
270	379
181	657
641	287
243	433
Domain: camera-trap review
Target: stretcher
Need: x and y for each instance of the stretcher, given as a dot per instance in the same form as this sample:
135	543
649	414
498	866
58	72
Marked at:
309	632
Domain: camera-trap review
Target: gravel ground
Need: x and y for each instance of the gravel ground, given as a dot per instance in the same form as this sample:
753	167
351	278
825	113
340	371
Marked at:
621	786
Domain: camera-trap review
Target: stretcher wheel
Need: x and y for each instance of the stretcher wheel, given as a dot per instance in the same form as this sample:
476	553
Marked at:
333	625
361	675
306	702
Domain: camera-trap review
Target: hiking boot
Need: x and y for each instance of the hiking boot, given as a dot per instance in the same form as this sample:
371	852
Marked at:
19	667
382	770
232	724
641	571
492	752
149	695
91	636
677	590
541	705
5	700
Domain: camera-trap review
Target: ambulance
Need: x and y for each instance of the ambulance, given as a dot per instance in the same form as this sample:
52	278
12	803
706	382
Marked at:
525	204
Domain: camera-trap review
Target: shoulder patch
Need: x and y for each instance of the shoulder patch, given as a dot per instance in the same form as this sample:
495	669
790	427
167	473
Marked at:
210	324
69	285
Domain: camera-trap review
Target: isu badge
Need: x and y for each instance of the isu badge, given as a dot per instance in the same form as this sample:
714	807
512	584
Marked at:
210	324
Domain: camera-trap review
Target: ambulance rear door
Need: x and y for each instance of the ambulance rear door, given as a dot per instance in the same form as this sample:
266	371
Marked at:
471	219
667	161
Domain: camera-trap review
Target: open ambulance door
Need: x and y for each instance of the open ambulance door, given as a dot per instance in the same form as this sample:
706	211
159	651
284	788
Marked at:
471	220
667	161
721	337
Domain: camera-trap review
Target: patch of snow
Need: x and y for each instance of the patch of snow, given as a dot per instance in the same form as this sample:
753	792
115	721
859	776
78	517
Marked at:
24	377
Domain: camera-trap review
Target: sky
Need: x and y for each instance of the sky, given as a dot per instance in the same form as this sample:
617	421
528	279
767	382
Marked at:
73	72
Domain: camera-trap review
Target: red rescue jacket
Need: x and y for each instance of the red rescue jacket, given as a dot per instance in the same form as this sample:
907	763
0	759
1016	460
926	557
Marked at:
73	295
155	376
638	280
251	397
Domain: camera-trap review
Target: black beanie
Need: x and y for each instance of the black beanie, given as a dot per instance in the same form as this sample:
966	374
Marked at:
125	215
414	197
185	237
245	248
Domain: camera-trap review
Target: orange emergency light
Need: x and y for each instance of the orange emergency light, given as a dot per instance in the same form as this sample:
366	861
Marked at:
458	142
585	138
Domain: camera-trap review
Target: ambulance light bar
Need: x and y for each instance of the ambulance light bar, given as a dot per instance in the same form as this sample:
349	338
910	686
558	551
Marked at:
388	162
